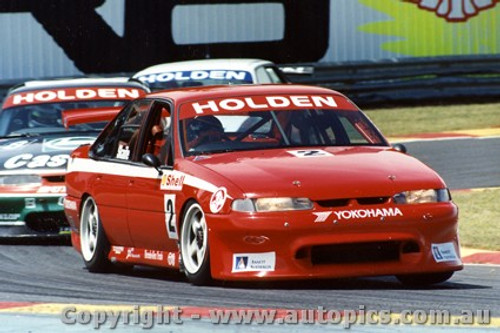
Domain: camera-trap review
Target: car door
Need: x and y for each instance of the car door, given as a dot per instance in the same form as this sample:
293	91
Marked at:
113	151
151	211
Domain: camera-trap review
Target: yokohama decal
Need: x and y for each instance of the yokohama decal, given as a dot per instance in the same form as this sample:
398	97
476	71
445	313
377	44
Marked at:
321	216
367	213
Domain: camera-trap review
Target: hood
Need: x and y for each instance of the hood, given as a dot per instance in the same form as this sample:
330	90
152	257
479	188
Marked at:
323	173
39	155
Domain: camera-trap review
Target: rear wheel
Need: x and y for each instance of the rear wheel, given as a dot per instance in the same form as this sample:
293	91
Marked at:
417	280
194	245
94	244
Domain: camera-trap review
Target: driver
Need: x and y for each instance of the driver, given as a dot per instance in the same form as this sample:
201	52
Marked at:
204	129
44	116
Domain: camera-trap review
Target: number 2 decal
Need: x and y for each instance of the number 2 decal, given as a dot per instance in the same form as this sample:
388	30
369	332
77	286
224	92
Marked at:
170	220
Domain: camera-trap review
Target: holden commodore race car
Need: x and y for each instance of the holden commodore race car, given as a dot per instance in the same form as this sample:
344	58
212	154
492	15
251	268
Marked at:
304	187
210	72
35	147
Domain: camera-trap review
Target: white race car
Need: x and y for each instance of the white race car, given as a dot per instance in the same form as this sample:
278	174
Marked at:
210	72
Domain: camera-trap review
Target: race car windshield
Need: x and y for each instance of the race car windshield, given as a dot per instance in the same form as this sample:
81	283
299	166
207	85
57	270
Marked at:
39	119
208	134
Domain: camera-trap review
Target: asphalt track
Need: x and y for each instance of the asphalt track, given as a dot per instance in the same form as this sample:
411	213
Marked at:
462	163
55	274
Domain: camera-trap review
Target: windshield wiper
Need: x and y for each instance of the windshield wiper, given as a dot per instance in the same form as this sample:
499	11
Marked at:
209	152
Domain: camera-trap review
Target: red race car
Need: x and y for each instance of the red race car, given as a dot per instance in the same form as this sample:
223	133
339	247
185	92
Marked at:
258	182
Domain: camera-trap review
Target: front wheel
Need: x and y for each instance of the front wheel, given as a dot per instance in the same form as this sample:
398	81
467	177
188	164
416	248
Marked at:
93	242
420	280
194	245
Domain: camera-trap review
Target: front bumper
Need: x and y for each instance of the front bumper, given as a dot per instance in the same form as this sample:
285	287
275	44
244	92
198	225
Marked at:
297	245
32	216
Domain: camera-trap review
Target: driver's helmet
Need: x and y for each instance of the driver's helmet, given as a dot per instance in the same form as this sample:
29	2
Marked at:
205	126
44	116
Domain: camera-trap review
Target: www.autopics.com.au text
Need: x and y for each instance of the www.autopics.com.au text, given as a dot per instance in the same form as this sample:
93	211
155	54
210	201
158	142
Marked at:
147	316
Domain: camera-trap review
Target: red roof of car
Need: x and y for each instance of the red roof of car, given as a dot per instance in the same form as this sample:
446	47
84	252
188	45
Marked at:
204	92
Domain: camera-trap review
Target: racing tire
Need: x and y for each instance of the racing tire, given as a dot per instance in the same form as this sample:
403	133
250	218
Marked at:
422	280
93	242
195	252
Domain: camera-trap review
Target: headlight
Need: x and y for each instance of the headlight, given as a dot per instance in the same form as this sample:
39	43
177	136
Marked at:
422	196
20	180
271	204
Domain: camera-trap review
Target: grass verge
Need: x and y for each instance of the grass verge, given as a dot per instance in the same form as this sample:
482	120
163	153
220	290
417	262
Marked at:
430	119
479	218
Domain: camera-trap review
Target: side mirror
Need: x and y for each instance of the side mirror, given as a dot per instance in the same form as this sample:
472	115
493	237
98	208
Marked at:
152	161
400	147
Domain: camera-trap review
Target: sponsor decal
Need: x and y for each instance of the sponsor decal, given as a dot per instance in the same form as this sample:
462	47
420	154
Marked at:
197	75
65	143
201	158
254	262
69	204
367	213
71	94
218	200
444	252
153	255
309	153
9	217
52	189
263	103
172	181
123	152
29	203
171	259
170	218
119	169
117	249
132	254
16	145
321	216
32	162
